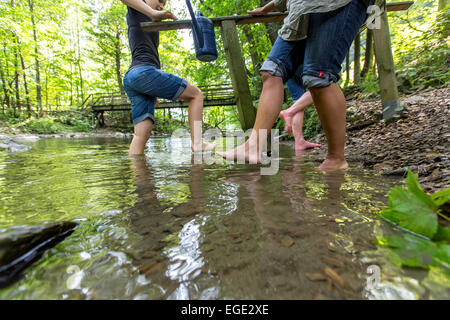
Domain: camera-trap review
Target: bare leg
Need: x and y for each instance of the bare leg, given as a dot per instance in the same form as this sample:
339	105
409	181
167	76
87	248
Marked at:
194	96
331	107
297	128
142	133
299	106
268	110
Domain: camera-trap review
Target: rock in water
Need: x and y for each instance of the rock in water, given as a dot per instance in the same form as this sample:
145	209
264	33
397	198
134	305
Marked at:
10	145
23	246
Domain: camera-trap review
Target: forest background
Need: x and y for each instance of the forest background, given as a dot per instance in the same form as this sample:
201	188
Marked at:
55	53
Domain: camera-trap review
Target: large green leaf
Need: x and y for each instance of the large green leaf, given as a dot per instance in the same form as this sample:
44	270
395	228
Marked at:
442	234
441	197
411	212
412	251
414	187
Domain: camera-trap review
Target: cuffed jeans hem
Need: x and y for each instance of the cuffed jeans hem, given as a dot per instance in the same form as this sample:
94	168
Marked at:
272	68
317	82
143	117
183	87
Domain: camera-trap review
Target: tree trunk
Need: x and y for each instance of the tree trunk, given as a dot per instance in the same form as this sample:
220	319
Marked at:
25	82
36	57
252	49
357	61
5	88
46	93
79	57
17	106
368	59
71	84
347	69
16	69
118	67
18	52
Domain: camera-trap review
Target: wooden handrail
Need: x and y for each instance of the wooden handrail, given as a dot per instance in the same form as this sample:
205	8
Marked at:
218	94
247	19
83	105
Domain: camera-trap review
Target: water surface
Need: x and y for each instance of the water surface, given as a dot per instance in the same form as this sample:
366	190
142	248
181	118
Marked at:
159	227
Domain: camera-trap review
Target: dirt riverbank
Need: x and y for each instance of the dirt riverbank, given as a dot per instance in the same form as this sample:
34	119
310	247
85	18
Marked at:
418	139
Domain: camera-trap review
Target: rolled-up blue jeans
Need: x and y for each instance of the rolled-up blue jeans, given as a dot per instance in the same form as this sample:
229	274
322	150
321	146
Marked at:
143	84
330	36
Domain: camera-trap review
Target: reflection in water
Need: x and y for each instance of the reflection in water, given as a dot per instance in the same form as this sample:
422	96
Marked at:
158	227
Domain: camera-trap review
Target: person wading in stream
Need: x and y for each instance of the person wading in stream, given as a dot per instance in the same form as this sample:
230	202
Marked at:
293	117
144	82
316	34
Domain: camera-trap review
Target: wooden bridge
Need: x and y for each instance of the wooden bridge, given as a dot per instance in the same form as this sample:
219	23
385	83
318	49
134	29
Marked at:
247	113
239	93
214	96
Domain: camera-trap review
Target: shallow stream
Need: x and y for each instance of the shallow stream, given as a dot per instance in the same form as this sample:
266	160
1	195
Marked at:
159	227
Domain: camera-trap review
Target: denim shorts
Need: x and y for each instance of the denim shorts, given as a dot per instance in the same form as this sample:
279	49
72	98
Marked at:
330	36
144	83
295	85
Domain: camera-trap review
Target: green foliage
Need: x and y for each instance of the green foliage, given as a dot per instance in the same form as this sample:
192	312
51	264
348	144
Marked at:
168	126
420	47
49	125
413	210
441	197
412	251
82	48
420	44
370	84
311	121
41	125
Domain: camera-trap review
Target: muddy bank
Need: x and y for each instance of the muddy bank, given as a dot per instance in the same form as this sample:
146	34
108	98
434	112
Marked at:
418	139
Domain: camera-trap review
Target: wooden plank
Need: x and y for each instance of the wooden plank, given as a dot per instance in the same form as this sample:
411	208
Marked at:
244	101
386	70
399	6
246	19
186	24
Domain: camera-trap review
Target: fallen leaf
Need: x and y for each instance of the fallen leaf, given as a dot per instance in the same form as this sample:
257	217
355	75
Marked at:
315	276
335	277
287	241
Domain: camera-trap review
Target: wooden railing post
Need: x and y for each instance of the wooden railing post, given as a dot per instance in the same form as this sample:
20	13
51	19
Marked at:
247	113
386	70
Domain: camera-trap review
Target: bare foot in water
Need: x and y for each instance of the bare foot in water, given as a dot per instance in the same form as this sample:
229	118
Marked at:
241	153
304	145
287	120
206	146
330	165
